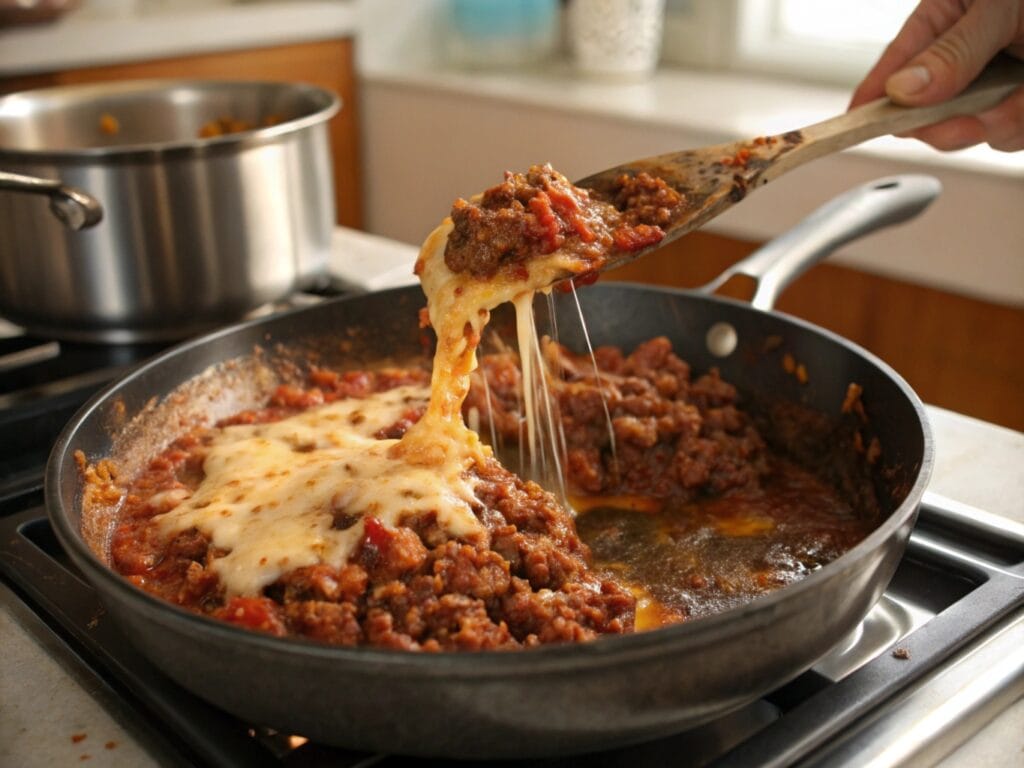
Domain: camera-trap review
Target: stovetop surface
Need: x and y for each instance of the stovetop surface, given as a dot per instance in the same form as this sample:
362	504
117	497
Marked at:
955	584
957	594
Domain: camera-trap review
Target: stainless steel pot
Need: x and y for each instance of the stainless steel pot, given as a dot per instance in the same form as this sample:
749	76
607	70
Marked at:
195	230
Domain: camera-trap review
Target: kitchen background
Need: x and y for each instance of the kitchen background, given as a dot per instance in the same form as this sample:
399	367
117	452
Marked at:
439	101
441	97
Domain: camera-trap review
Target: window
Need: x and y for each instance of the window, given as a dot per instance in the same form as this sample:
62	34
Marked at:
826	40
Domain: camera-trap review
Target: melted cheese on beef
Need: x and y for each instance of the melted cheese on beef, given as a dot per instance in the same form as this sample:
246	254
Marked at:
460	306
272	492
277	496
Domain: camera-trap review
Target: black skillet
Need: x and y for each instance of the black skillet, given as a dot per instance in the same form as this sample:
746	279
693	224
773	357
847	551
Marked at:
553	700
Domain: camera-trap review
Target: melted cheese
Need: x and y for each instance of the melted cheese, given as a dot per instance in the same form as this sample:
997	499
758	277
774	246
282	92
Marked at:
278	496
272	491
459	306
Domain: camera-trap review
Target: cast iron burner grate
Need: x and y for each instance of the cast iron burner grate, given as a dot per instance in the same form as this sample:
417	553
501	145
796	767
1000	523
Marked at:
958	595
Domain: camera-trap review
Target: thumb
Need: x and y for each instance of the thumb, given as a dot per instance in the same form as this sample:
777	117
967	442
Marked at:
951	62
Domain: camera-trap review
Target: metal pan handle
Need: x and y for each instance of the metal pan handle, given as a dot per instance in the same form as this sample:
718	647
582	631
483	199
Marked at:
75	209
864	209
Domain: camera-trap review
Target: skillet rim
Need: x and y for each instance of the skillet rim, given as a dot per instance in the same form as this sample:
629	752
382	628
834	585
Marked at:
564	658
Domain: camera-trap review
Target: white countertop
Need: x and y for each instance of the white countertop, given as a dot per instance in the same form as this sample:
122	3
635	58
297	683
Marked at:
88	37
46	702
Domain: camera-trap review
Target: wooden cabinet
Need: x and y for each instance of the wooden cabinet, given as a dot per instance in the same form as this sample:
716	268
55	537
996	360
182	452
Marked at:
327	64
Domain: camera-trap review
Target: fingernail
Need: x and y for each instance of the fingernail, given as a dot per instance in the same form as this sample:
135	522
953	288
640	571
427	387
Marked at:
908	82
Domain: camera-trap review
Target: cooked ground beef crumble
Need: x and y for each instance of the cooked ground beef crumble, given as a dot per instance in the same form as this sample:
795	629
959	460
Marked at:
539	212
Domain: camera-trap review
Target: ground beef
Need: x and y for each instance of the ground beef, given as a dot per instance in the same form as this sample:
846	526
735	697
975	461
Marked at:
675	436
407	587
539	212
696	512
693	506
646	199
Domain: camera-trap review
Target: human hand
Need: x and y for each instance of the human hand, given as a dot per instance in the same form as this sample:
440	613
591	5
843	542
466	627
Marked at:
942	47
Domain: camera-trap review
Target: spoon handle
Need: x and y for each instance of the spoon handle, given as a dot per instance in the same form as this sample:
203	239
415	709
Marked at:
883	117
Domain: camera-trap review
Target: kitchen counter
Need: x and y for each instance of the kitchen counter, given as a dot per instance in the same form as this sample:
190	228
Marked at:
87	37
52	714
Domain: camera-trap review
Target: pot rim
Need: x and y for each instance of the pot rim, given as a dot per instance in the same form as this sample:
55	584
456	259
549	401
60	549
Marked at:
327	102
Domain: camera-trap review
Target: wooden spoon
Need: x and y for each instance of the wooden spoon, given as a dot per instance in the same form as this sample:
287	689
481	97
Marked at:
715	178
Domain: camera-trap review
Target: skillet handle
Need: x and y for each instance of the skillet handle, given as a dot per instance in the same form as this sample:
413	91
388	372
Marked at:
862	210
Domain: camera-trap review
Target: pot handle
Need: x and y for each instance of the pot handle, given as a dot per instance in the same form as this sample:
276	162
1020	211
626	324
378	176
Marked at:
862	210
73	207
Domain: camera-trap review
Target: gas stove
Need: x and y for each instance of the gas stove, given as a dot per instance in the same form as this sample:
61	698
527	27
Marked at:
940	654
